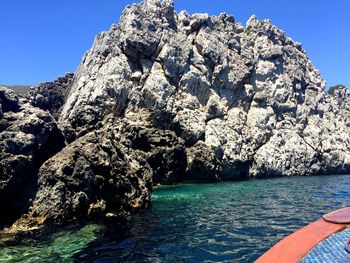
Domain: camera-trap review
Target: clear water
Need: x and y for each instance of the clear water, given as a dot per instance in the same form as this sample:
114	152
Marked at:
233	222
55	247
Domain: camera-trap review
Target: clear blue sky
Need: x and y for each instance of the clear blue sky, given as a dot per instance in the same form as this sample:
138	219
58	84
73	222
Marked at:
43	39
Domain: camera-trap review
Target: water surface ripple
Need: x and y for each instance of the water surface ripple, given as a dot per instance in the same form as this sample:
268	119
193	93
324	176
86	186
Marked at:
225	222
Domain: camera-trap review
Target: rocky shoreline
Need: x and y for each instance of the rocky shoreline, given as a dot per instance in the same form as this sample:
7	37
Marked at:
163	98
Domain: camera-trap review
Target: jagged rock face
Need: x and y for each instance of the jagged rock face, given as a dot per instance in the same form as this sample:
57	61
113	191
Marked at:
97	175
8	101
202	163
106	173
163	98
328	133
341	98
50	96
246	101
28	137
163	151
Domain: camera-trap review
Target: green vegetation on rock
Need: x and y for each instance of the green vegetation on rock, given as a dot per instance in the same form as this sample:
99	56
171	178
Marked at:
332	89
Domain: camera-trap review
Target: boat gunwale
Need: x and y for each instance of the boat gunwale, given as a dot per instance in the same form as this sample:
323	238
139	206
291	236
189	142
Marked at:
294	247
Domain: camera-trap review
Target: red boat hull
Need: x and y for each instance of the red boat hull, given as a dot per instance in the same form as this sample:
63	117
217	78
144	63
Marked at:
297	245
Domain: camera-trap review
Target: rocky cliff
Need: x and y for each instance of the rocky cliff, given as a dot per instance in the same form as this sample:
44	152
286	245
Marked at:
165	97
28	137
247	99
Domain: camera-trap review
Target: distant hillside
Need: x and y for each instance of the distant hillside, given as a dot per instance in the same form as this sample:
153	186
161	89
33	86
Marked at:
332	90
19	89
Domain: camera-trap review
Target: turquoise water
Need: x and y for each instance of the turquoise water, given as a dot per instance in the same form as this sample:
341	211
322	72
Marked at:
48	247
233	222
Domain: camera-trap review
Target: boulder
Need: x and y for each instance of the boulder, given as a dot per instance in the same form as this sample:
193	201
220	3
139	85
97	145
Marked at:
96	176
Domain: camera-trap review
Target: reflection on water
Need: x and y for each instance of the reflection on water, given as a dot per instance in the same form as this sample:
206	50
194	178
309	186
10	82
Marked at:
235	221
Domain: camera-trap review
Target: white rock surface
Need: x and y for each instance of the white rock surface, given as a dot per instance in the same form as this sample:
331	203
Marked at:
249	94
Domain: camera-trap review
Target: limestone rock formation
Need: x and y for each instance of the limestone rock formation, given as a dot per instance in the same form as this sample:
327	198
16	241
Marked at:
163	151
28	137
246	101
95	176
166	97
105	173
50	96
341	98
